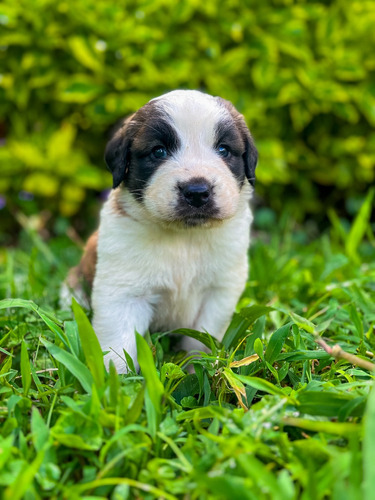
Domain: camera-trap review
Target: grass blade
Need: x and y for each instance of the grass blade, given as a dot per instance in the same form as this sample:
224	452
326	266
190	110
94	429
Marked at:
328	404
261	385
39	430
276	343
303	323
203	337
51	321
146	362
76	367
359	227
241	322
369	448
90	345
24	479
338	428
25	369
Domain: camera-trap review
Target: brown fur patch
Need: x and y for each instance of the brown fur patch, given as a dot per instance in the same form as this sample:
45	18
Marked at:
117	207
83	274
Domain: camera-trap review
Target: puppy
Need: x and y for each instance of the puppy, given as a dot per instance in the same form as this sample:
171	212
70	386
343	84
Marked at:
171	248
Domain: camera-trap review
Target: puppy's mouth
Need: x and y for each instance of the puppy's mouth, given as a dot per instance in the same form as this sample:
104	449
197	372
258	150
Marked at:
195	221
191	216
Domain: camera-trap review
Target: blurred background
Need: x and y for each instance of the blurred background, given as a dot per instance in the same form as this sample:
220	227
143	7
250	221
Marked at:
302	73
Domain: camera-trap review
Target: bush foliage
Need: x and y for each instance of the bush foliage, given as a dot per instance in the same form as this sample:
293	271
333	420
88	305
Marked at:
301	72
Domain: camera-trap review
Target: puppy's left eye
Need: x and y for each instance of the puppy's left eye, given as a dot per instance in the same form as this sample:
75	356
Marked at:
159	152
223	150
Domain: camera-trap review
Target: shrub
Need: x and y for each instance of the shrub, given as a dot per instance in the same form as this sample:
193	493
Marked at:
302	74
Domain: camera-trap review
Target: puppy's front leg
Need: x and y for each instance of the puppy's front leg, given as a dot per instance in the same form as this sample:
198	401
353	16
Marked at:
215	314
116	319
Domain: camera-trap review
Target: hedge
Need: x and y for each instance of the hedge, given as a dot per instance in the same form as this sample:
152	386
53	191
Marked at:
301	72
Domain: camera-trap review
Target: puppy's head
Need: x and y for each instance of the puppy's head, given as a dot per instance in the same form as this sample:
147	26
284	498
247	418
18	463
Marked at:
185	157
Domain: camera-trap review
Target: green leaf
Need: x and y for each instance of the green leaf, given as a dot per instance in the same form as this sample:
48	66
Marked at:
354	316
54	328
90	345
258	348
135	410
257	332
72	335
39	430
327	404
129	362
302	355
276	343
201	413
51	321
303	323
87	437
241	322
261	385
76	367
229	486
84	53
338	428
261	475
24	479
359	227
369	447
80	89
25	369
189	402
171	371
153	414
146	362
6	445
114	385
203	337
27	304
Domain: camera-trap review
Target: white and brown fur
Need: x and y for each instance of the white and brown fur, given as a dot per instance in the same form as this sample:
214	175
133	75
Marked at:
171	248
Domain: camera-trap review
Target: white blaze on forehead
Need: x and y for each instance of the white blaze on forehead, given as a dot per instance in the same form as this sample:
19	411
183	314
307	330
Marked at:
195	115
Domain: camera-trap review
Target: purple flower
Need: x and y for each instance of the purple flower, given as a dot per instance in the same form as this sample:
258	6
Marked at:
25	196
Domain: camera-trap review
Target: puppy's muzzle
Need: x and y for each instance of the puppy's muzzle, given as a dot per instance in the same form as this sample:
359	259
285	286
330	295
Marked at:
196	193
196	202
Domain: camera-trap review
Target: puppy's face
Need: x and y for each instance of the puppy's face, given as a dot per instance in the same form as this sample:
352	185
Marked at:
185	156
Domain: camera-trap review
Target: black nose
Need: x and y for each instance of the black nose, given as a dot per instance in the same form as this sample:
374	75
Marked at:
196	194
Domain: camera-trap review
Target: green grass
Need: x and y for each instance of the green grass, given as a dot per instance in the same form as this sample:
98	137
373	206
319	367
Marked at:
267	414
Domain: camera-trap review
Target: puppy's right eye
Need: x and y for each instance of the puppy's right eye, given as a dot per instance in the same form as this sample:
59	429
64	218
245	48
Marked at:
223	150
159	152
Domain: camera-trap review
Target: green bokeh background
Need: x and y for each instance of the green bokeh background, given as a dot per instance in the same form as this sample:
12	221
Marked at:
301	72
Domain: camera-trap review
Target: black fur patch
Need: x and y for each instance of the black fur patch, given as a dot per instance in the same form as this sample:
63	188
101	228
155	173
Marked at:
117	152
249	153
153	130
227	134
129	153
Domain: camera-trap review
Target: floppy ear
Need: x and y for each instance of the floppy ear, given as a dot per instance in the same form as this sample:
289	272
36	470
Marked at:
117	153
250	158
